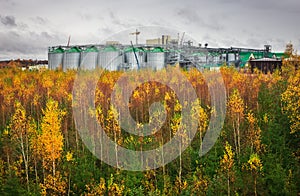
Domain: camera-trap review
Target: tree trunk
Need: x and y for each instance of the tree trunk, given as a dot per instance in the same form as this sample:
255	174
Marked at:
228	183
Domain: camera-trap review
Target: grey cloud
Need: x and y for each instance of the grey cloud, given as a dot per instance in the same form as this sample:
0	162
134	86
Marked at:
8	20
26	44
191	16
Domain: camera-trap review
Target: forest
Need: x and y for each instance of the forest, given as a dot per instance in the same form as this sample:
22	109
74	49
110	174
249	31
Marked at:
256	153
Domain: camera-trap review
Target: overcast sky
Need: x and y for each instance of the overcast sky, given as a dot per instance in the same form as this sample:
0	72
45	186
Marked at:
28	27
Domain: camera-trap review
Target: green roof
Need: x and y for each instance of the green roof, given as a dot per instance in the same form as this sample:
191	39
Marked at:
110	49
73	50
157	49
91	49
57	50
244	56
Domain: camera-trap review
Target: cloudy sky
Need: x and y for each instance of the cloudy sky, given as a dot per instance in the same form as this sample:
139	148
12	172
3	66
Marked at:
28	27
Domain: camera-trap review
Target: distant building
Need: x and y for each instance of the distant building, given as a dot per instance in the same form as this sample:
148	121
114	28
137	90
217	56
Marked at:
112	43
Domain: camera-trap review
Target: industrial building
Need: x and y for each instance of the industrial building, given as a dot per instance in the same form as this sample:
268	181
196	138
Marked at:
157	53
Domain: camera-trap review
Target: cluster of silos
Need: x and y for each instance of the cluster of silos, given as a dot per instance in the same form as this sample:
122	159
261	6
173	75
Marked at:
110	58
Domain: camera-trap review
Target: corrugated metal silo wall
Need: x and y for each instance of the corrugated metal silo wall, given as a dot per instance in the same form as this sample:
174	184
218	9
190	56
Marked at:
110	60
88	60
55	60
71	60
130	59
156	60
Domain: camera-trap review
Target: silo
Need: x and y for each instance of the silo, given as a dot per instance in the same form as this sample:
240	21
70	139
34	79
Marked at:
71	58
130	57
156	58
110	58
55	58
89	58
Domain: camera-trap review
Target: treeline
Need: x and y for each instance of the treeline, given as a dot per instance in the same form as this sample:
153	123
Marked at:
257	152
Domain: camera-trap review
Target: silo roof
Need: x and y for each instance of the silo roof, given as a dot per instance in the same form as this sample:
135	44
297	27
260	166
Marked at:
57	50
157	49
73	50
91	49
110	48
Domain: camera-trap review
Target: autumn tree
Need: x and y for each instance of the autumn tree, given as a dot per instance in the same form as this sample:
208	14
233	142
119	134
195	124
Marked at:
236	111
50	144
291	98
20	133
254	133
254	165
227	164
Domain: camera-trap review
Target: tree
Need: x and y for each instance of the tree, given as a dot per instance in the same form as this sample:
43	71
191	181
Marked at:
254	133
20	132
50	144
227	163
291	98
254	165
236	111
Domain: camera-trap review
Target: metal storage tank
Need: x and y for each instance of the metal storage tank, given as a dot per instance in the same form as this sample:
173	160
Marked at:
156	58
89	58
55	58
71	58
130	58
110	58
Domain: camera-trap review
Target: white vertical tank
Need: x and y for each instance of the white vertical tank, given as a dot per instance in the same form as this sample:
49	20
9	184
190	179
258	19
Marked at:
71	58
156	58
55	58
110	58
130	58
89	58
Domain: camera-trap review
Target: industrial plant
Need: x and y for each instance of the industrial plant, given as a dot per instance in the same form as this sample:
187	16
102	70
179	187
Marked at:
158	53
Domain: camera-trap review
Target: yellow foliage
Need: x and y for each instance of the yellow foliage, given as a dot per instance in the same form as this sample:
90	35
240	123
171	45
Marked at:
291	98
236	103
69	156
227	161
53	185
50	143
254	163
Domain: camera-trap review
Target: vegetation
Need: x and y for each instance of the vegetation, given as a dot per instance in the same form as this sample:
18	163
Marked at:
257	152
